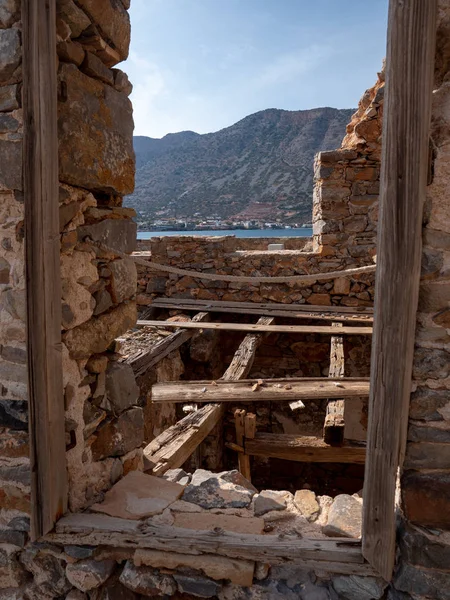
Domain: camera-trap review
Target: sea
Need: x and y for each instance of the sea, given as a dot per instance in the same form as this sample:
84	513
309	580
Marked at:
240	233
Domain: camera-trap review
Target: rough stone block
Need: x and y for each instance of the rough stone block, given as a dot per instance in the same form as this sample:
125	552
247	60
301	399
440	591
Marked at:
48	572
117	234
427	455
147	581
422	549
344	518
9	13
75	18
123	279
71	52
9	95
426	498
95	134
8	124
95	336
269	500
94	67
121	82
429	405
219	490
431	363
341	286
112	20
121	388
10	53
306	502
14	414
355	587
200	587
89	574
10	165
420	582
120	436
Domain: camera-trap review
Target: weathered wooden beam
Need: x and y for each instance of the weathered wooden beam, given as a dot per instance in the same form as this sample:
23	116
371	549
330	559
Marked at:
145	359
243	459
92	529
173	447
303	449
255	328
41	185
406	129
333	430
243	359
275	310
248	390
362	310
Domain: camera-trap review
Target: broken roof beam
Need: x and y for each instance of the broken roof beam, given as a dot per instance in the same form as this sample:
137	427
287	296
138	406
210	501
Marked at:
243	359
270	390
143	360
255	328
173	447
303	449
333	430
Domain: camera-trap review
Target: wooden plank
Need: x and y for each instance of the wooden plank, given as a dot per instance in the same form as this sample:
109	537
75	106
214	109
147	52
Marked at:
41	185
173	447
255	328
145	359
248	390
333	430
243	359
97	530
364	310
303	449
243	459
274	312
406	130
250	425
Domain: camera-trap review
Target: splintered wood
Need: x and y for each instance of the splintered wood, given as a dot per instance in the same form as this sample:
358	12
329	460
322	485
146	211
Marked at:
143	360
243	359
174	446
333	431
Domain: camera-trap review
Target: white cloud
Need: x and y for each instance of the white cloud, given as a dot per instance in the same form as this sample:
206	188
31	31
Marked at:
287	66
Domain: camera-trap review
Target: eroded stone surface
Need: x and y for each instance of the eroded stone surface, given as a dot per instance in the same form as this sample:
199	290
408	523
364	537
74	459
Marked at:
219	490
88	575
344	518
354	587
147	581
269	500
305	501
138	495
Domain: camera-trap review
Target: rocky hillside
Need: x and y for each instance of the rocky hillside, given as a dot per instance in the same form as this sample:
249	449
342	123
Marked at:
260	168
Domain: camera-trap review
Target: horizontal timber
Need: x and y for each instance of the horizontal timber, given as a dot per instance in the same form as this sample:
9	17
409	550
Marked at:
368	310
255	328
248	390
291	311
339	555
303	449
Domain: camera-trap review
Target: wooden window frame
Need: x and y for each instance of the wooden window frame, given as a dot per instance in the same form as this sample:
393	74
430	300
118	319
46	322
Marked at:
410	66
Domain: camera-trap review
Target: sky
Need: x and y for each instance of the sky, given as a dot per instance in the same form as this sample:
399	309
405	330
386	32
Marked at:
203	65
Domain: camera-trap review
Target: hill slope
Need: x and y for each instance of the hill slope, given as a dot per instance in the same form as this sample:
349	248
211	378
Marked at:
259	168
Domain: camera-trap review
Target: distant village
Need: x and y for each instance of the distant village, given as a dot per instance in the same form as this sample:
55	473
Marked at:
211	224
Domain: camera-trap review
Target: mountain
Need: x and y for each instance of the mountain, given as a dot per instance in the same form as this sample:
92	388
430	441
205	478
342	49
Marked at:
260	168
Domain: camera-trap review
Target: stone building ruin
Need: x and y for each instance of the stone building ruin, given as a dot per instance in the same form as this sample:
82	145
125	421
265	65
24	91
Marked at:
126	448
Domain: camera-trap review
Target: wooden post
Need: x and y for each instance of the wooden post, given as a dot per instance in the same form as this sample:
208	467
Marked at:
244	459
41	187
406	127
333	430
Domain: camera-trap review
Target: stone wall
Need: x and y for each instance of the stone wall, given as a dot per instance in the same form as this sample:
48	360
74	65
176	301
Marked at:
217	255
